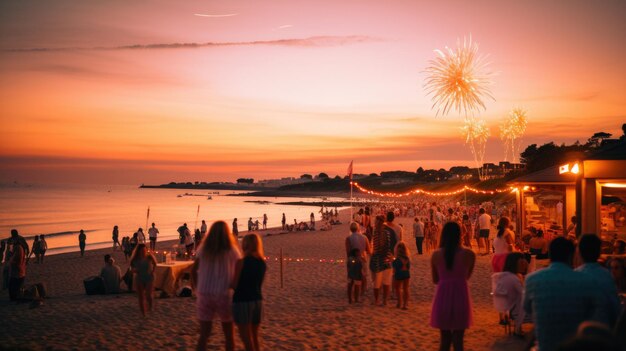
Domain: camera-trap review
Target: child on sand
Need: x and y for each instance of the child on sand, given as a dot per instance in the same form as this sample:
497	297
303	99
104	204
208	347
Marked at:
212	275
143	264
401	274
247	299
355	274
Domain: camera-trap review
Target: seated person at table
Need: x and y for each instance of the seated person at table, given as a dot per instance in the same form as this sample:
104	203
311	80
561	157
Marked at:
112	275
538	246
619	247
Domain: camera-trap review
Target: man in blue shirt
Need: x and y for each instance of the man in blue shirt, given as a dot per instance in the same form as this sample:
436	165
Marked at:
589	248
559	298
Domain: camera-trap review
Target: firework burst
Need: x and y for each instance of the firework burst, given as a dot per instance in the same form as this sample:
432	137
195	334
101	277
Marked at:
476	133
512	130
458	79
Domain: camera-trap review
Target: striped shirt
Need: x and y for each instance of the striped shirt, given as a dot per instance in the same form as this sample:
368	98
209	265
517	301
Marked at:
215	277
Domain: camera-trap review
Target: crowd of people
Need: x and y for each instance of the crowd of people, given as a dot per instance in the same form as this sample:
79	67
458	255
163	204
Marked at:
557	299
569	302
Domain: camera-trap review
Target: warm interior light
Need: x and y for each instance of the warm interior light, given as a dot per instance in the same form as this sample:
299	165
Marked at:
575	168
526	187
614	185
564	169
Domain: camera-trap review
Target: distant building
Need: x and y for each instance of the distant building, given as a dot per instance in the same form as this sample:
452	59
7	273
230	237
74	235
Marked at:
275	183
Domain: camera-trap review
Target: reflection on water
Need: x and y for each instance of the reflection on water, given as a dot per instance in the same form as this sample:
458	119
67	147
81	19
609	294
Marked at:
60	211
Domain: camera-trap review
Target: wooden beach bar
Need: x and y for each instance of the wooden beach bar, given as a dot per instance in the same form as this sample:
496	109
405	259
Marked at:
594	187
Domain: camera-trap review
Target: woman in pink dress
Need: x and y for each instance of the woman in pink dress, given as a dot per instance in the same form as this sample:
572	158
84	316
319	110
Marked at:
451	267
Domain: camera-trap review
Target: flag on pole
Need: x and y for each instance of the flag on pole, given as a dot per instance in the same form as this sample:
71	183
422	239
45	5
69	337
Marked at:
350	170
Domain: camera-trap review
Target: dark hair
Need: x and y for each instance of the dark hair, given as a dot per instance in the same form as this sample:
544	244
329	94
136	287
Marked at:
390	216
539	233
465	217
14	232
561	250
107	258
450	241
503	223
510	264
481	211
589	247
621	246
450	211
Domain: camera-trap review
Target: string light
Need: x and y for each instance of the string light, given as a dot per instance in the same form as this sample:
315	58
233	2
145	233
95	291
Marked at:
432	193
301	259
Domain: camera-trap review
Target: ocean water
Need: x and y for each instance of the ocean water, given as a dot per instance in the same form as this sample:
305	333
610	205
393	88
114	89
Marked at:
61	210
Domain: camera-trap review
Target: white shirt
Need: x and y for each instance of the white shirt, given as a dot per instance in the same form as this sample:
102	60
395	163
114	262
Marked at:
141	238
500	245
152	232
418	229
484	221
215	277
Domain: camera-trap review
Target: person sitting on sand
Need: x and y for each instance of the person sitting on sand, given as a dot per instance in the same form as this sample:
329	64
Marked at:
507	290
82	238
143	265
112	275
212	275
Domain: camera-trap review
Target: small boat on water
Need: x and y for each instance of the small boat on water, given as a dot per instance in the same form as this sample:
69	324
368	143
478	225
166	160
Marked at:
179	195
209	197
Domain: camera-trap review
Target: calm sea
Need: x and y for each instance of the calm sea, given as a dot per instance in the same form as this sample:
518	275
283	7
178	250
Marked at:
60	211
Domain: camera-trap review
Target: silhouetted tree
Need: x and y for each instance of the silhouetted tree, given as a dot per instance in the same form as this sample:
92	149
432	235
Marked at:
322	176
596	139
306	176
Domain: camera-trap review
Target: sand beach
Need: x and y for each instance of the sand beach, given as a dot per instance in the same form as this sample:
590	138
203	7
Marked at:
310	312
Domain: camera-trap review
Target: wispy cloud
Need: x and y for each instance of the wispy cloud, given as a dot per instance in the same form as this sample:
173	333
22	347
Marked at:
215	16
284	26
315	41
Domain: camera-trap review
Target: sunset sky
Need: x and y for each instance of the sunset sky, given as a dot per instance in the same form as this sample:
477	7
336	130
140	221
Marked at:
102	92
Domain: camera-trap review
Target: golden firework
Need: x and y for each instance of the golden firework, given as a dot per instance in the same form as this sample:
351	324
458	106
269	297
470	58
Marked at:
476	133
459	79
512	130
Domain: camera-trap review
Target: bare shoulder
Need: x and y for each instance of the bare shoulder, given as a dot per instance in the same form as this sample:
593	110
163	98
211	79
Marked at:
469	254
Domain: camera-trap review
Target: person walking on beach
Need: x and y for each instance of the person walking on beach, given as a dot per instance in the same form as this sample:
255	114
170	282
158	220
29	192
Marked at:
264	221
312	221
43	247
212	275
203	228
152	234
35	250
116	238
418	233
141	237
250	224
380	262
235	228
82	238
483	225
248	299
17	267
143	265
284	221
451	266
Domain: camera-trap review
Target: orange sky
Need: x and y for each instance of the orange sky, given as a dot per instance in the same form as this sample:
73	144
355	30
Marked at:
286	87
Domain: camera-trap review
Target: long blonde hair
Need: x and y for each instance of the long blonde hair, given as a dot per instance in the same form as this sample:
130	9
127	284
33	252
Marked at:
253	245
219	241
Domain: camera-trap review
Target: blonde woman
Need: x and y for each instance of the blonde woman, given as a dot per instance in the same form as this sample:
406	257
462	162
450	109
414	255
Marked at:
213	273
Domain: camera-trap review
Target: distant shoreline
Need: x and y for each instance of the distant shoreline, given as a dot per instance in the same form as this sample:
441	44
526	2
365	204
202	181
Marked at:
207	186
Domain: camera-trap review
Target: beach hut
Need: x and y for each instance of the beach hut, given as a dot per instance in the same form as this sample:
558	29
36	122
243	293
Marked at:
594	187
